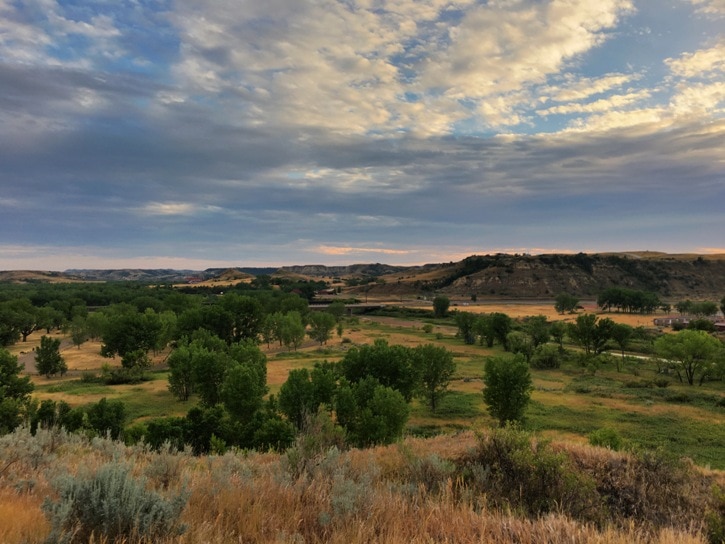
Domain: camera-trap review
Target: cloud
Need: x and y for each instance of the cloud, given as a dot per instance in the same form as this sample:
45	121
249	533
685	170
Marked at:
575	88
170	208
335	250
434	127
710	7
703	63
612	102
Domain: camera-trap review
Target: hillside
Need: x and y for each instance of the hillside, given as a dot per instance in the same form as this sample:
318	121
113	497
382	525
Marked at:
544	276
501	275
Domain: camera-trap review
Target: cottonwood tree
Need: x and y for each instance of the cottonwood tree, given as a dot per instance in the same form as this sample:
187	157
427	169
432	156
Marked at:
181	372
466	322
508	387
321	326
292	330
621	334
436	367
370	413
537	327
296	397
591	333
48	360
14	392
441	303
392	366
565	303
694	354
131	331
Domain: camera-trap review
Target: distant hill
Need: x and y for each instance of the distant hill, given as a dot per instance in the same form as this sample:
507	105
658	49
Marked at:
501	275
584	275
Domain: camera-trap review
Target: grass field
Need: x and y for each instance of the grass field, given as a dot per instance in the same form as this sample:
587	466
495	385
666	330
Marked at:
566	403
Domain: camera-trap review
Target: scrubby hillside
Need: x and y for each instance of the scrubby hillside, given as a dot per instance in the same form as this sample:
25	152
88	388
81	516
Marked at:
544	276
499	487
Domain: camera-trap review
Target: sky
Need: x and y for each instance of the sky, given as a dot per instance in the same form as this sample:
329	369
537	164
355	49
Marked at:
214	133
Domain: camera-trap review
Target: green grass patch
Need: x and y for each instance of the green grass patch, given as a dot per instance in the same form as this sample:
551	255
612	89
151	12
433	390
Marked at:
75	387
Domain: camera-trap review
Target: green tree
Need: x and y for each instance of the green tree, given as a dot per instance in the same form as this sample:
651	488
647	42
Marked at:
321	326
521	342
565	303
704	308
441	303
337	309
371	413
482	328
96	323
78	331
181	372
9	329
692	353
392	366
296	397
130	331
247	316
292	330
621	334
26	317
466	321
591	333
210	368
558	332
243	390
14	392
508	387
49	318
538	328
500	326
107	416
436	368
48	360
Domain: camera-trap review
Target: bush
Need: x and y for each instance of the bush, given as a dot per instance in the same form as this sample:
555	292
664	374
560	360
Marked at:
606	438
516	471
715	517
111	504
545	357
678	397
661	382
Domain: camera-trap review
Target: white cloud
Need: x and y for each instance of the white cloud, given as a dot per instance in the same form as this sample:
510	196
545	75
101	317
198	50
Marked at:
613	102
338	250
710	7
366	68
176	208
575	88
703	63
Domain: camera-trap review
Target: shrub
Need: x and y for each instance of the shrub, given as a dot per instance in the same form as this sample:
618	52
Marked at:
715	517
515	470
111	504
678	397
661	382
606	438
545	357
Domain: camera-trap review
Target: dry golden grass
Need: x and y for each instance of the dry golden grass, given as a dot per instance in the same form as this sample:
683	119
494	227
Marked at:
21	519
359	496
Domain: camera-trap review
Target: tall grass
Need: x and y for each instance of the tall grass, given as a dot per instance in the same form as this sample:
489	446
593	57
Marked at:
414	492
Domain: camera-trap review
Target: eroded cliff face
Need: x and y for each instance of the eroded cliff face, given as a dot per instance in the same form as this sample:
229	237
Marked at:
588	275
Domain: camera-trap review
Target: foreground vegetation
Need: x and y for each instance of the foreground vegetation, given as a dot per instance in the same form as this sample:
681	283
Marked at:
204	380
498	486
